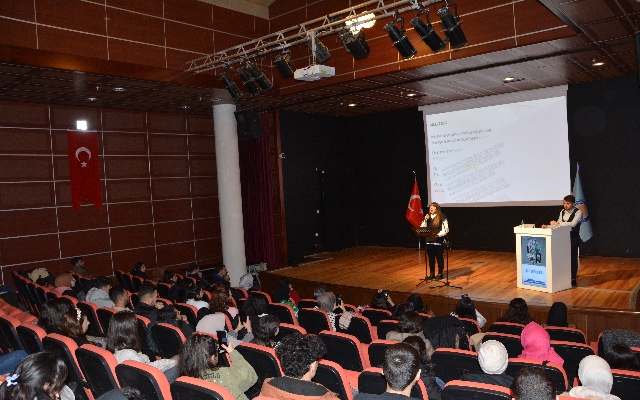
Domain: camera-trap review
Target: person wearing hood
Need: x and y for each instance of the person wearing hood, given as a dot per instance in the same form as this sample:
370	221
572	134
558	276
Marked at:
99	293
493	359
596	379
558	315
536	344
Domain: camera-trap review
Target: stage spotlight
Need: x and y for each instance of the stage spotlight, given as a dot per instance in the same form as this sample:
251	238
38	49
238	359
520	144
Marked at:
355	44
399	38
428	34
322	53
451	26
248	82
285	65
258	76
231	86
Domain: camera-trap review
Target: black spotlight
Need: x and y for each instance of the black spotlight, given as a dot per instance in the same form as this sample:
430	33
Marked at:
285	65
322	53
400	39
248	82
428	34
258	76
451	26
231	86
355	44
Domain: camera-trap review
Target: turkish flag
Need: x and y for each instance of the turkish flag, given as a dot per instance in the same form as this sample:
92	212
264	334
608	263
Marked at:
414	209
84	169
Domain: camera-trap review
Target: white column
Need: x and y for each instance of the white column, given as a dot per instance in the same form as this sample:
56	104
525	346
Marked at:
229	194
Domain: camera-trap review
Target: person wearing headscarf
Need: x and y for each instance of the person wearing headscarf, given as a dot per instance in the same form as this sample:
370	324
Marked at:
493	359
596	379
246	282
65	283
558	315
537	344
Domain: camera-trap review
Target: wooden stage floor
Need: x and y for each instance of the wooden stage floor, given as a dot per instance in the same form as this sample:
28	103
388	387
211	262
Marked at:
604	282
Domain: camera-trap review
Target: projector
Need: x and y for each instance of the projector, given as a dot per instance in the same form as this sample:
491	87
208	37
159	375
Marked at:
314	73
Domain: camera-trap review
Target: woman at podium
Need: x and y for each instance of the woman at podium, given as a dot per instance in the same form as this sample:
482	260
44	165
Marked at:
437	223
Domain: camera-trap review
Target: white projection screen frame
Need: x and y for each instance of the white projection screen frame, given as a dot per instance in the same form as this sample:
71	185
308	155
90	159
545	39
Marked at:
503	150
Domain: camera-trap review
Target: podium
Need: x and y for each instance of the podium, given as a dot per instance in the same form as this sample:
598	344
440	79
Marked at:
543	258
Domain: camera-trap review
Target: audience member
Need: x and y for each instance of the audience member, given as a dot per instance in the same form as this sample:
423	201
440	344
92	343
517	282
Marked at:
139	270
266	331
517	313
199	359
78	267
410	324
195	294
147	305
74	324
299	355
401	309
493	360
327	303
466	309
221	275
536	344
221	301
596	379
401	369
125	344
194	272
533	383
427	369
51	314
283	294
254	307
213	323
169	277
558	315
319	290
64	284
382	301
620	356
246	282
170	315
418	305
99	293
120	298
39	376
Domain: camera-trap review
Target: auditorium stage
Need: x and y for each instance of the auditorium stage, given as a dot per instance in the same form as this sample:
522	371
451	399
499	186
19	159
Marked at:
604	282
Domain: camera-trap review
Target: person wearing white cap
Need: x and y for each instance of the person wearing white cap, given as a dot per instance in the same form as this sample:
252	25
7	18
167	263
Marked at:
493	360
596	379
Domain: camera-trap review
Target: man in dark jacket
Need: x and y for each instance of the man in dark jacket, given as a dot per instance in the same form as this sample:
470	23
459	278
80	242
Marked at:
493	359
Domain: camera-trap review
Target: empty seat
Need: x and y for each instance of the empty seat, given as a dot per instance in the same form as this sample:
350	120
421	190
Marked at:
169	339
288	329
385	326
284	312
333	377
555	372
506	327
90	312
374	315
572	354
462	390
99	368
150	381
566	334
360	328
264	361
188	388
31	337
376	350
450	363
345	350
314	320
626	384
511	342
9	339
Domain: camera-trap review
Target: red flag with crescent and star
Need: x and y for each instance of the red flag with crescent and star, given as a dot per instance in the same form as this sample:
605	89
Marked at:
414	209
84	168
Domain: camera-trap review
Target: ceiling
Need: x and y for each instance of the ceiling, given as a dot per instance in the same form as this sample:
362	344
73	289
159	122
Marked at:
606	35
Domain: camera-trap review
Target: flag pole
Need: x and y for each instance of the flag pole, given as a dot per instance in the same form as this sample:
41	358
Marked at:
415	179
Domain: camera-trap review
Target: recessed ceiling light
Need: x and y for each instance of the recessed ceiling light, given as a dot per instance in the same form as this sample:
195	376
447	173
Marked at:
118	89
352	104
92	99
509	79
184	107
597	63
411	94
215	99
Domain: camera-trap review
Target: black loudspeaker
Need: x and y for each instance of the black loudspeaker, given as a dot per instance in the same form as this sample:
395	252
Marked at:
638	54
249	126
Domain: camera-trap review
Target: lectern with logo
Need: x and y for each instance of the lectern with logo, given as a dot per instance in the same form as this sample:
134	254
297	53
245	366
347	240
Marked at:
543	258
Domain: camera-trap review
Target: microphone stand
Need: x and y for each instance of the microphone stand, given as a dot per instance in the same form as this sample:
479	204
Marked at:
446	283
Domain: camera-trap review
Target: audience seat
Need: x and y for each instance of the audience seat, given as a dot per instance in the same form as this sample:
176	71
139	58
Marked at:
472	325
360	328
372	381
462	390
313	320
626	384
375	316
284	312
65	348
264	295
385	326
288	329
90	311
190	311
72	299
136	281
238	293
563	334
143	324
307	303
333	377
188	388
31	337
163	289
169	339
376	350
346	351
119	277
511	342
127	282
555	371
510	328
572	354
104	316
451	362
150	381
264	361
99	368
9	339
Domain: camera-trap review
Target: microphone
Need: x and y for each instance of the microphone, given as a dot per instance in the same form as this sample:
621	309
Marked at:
544	215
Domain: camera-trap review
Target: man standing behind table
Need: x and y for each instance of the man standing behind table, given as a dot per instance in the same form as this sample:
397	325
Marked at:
571	216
